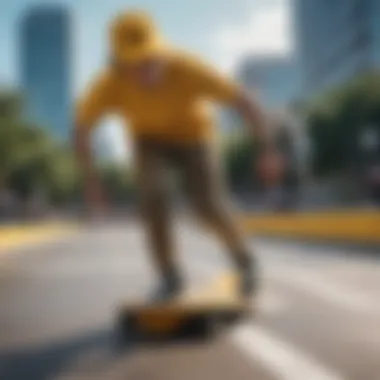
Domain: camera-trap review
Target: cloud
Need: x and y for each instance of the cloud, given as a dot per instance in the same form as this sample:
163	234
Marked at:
268	31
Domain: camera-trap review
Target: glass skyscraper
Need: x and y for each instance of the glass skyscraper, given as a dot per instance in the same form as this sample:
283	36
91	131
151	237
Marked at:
45	67
274	79
336	40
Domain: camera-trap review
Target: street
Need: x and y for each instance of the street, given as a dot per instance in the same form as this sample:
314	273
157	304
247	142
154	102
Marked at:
317	318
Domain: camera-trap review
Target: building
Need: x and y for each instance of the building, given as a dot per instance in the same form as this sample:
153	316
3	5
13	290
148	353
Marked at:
45	66
273	79
336	40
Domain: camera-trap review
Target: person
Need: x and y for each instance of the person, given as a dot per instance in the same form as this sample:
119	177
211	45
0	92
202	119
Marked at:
164	94
288	143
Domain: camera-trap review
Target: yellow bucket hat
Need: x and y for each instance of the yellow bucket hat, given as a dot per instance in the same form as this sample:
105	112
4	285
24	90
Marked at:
134	37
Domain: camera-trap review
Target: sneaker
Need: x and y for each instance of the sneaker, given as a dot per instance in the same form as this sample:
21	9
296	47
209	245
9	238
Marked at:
168	289
248	279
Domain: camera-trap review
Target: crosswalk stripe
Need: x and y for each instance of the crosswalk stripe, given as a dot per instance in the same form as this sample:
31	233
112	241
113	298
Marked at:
281	359
349	299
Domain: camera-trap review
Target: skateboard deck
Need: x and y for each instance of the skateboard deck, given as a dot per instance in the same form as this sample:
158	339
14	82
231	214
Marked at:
196	311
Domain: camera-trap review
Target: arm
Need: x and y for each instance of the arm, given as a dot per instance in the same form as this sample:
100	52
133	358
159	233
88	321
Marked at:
211	84
270	161
83	154
256	119
218	87
93	193
90	108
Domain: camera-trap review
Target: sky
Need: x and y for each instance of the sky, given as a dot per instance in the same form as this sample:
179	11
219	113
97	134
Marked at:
222	31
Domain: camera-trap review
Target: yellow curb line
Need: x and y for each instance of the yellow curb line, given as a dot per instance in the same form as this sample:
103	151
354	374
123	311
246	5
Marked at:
350	226
12	237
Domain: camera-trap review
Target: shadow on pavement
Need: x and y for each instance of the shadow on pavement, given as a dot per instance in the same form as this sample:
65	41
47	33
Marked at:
89	354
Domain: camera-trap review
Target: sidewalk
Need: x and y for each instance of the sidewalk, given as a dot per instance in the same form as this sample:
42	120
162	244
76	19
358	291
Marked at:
19	236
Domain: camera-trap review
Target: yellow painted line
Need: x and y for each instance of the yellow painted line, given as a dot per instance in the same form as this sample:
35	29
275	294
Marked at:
12	237
350	226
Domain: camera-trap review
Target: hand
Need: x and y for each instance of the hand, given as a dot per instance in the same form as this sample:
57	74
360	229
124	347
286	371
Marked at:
95	198
270	167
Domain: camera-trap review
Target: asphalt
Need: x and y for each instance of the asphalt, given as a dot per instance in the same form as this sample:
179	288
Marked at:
317	317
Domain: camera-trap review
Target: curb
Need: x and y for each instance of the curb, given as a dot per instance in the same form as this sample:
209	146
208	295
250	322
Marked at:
19	236
358	226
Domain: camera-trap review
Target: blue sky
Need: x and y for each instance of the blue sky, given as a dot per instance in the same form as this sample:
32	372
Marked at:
221	30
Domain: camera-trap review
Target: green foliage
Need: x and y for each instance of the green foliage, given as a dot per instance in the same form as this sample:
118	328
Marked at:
335	122
239	153
30	159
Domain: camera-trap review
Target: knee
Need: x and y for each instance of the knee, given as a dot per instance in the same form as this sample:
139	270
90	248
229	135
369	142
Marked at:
210	211
152	203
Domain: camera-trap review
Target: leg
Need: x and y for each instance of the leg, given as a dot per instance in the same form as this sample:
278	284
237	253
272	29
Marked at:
206	187
151	180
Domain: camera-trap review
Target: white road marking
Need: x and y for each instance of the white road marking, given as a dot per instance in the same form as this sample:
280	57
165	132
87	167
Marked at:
280	358
349	299
325	259
270	303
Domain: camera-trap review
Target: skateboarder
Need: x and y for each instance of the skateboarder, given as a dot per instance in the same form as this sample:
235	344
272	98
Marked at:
162	93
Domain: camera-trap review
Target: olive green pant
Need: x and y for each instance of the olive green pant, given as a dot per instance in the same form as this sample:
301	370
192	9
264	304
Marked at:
198	168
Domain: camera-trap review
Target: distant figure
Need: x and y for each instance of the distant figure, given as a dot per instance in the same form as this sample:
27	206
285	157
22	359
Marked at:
287	143
162	92
7	204
369	144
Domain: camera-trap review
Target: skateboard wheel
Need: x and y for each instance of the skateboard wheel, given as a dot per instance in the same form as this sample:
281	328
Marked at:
230	318
205	326
127	326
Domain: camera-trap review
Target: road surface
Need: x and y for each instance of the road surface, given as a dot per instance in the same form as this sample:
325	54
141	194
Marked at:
318	314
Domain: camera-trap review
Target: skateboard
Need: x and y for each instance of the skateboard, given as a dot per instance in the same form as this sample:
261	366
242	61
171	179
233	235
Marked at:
199	312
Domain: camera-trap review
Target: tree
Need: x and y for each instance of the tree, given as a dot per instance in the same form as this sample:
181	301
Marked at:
30	158
335	122
238	155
